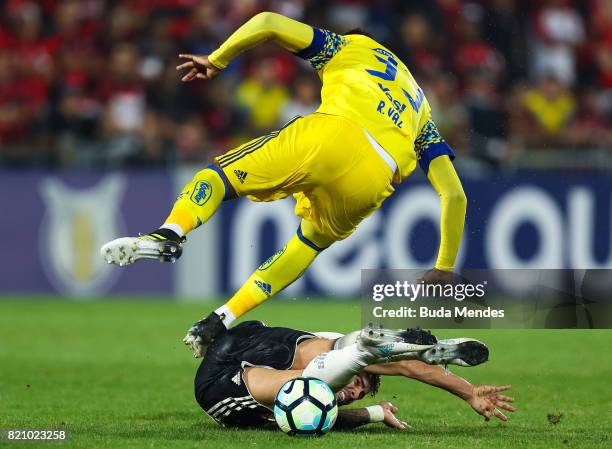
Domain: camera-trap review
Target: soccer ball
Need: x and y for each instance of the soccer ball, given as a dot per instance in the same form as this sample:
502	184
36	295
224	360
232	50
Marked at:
305	406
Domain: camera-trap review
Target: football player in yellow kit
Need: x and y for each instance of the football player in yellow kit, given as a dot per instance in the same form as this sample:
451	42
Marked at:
373	127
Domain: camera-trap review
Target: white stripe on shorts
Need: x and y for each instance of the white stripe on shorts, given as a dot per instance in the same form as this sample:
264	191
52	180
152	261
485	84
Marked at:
381	151
233	406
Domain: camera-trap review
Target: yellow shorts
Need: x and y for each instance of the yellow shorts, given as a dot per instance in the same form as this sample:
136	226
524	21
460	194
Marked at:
325	161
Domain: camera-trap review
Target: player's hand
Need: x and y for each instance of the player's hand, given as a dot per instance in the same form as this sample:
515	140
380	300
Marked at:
486	401
199	68
435	276
390	419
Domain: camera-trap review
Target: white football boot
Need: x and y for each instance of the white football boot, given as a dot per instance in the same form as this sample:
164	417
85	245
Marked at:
127	250
456	351
385	344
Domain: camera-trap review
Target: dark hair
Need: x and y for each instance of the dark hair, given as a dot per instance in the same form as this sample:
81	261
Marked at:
360	31
374	383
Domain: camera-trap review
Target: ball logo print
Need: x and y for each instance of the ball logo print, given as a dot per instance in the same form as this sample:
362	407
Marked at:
76	223
305	406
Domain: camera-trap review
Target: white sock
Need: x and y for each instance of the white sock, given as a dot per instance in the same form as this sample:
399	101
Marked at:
229	317
173	227
338	367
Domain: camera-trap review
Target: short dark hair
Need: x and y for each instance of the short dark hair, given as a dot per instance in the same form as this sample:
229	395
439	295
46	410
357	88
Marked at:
374	383
360	31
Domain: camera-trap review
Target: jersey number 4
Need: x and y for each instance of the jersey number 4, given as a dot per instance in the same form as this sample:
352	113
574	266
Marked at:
390	73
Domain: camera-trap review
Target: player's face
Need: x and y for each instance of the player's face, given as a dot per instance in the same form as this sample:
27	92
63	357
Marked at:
357	389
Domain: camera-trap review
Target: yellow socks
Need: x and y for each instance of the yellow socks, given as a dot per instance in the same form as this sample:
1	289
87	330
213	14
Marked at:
271	277
197	202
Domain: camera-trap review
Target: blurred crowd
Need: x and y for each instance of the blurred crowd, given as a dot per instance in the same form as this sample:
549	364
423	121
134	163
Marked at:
92	83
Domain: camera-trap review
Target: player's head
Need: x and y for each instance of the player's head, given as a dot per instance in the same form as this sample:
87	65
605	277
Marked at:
362	384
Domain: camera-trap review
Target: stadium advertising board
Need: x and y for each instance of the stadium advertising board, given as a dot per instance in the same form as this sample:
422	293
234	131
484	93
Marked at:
58	221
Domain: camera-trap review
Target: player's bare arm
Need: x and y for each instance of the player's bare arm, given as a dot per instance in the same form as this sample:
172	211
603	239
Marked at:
486	400
357	417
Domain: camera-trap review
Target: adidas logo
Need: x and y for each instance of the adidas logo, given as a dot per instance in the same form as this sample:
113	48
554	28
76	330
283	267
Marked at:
236	378
241	175
265	287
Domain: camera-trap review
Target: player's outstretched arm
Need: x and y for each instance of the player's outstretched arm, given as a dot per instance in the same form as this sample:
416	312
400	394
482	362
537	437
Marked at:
485	400
288	33
433	375
445	181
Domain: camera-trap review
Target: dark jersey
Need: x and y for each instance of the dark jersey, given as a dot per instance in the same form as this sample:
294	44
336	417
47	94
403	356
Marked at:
219	387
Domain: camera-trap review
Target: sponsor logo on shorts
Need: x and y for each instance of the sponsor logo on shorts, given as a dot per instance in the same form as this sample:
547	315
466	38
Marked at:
273	258
201	193
241	175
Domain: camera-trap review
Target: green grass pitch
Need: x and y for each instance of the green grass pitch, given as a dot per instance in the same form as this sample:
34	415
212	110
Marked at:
116	375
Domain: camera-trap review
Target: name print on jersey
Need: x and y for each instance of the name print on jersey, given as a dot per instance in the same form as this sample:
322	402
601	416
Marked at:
394	108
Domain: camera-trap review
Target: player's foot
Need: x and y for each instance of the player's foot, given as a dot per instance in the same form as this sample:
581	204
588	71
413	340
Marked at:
163	246
385	344
457	351
203	333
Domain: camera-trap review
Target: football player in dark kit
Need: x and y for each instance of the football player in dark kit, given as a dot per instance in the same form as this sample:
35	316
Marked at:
244	368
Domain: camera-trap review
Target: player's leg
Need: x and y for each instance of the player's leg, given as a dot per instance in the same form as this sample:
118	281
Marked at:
263	169
372	346
270	278
269	168
264	383
331	208
195	205
333	200
337	368
198	201
276	273
453	351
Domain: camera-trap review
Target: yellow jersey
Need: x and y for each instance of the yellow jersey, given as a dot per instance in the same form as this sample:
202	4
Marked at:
365	82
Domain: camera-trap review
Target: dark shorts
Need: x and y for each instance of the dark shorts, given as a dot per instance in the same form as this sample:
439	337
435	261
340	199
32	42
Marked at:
219	386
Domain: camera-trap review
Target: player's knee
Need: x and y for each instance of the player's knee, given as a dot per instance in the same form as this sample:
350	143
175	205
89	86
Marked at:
208	175
309	235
